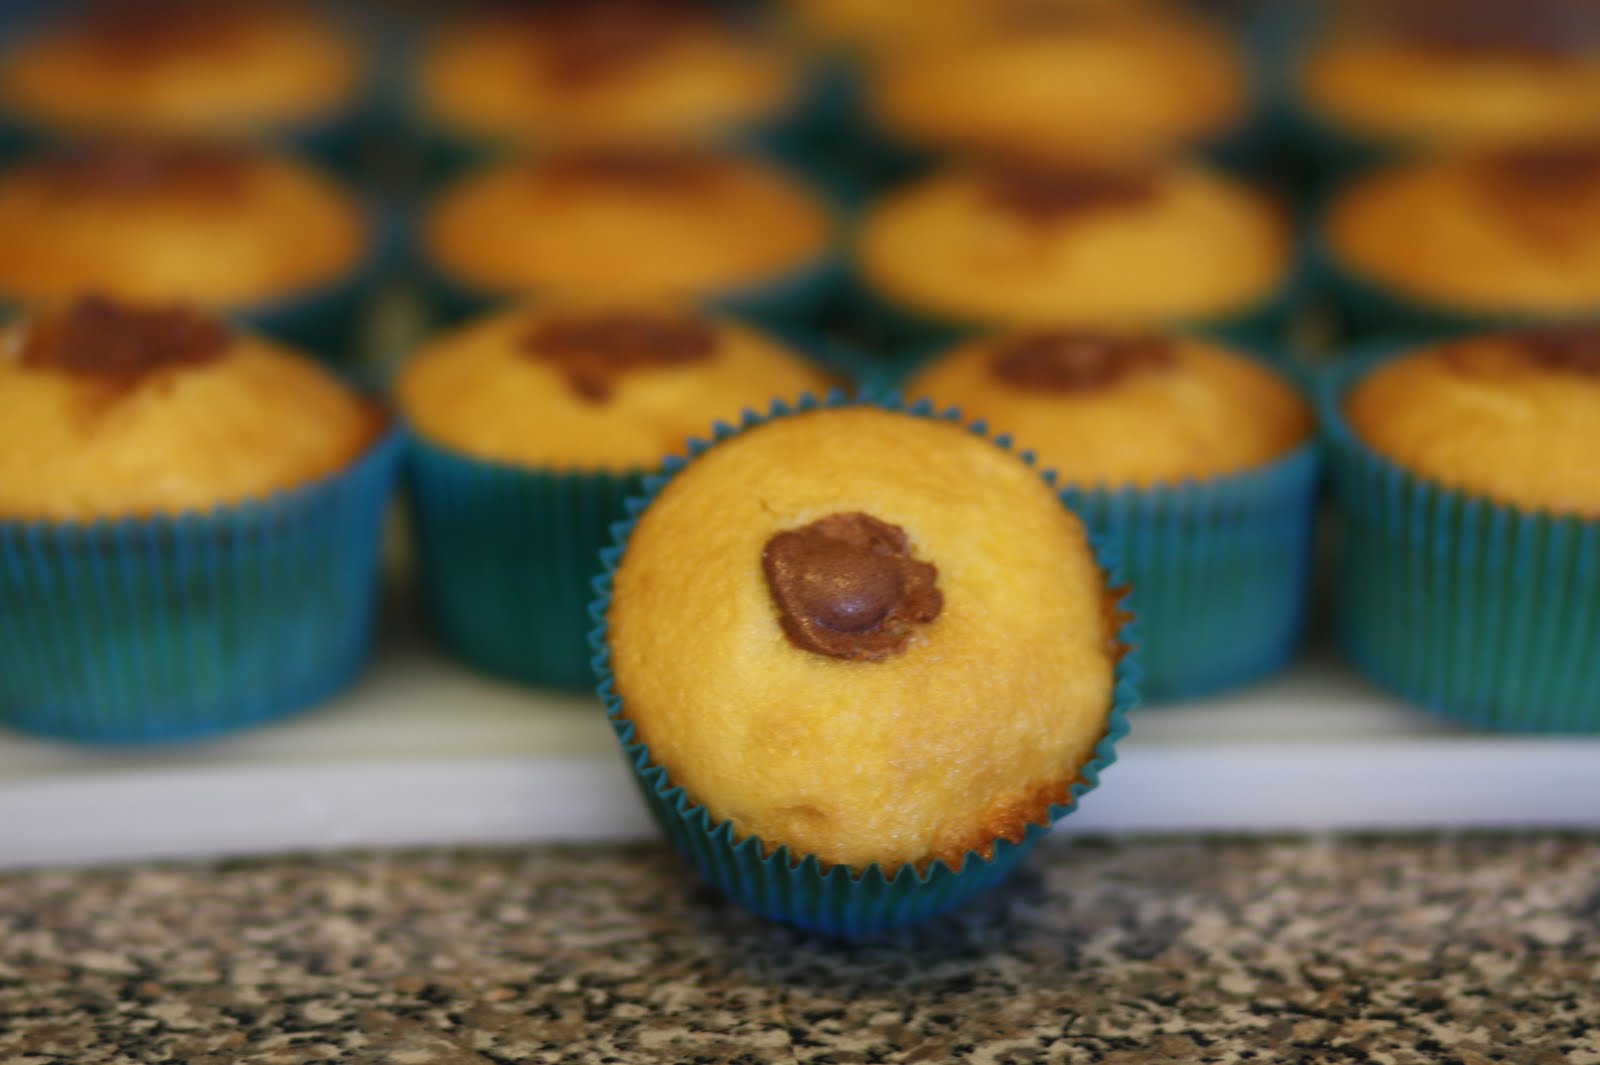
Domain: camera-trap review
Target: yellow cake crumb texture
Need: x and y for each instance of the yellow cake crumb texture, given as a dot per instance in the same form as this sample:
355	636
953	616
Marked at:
1512	417
79	444
1199	411
483	390
966	734
1192	244
645	221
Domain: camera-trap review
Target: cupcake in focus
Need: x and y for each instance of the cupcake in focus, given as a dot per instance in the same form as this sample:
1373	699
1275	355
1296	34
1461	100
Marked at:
186	68
189	524
1470	524
235	230
1001	243
1461	240
721	228
1067	80
862	692
529	428
1191	457
565	72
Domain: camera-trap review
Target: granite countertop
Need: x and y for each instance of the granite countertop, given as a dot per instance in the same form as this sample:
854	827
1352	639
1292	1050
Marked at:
1471	949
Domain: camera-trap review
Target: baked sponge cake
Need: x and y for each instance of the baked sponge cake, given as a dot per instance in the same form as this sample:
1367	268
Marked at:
165	220
1513	232
1514	417
1452	74
181	67
1118	409
594	382
606	71
110	410
640	219
1068	80
1049	244
866	636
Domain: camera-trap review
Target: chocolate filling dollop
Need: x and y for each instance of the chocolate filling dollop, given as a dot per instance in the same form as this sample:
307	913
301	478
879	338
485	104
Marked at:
1553	169
1045	193
645	168
1532	29
137	32
100	337
1070	360
847	587
132	168
592	350
1575	348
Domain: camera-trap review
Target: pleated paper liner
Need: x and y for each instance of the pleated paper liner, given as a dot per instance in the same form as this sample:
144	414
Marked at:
1484	613
169	628
797	888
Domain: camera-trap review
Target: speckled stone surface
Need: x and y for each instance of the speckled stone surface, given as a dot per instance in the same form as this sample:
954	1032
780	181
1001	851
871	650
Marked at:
1470	949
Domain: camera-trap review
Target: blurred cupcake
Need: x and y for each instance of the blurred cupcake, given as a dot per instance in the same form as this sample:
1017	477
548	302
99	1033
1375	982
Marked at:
1062	79
859	694
729	229
1455	241
1470	524
1453	73
186	68
233	230
1012	242
1192	458
530	427
189	523
605	71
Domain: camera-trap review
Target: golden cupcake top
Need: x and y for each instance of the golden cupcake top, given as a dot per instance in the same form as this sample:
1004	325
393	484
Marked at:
868	636
1047	243
111	410
607	71
185	67
596	382
1064	79
1448	72
1514	417
658	219
173	220
1513	230
1121	409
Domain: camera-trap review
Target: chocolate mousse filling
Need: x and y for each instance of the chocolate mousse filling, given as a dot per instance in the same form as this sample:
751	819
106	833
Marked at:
1575	348
1075	360
593	350
100	337
132	168
847	587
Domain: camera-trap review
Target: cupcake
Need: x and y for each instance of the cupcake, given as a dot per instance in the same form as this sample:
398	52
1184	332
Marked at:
860	660
1448	73
1470	524
530	426
187	68
725	228
1192	458
1021	243
189	523
605	71
1068	80
1455	241
243	232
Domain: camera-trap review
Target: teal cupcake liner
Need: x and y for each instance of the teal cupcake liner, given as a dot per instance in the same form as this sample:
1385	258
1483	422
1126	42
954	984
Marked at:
795	888
172	628
1483	613
507	554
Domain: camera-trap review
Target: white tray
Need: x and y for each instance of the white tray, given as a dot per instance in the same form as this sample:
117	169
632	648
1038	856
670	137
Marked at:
424	752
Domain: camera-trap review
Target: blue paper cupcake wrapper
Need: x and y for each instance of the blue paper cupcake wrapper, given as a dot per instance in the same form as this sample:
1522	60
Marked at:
795	888
167	628
1484	613
507	557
